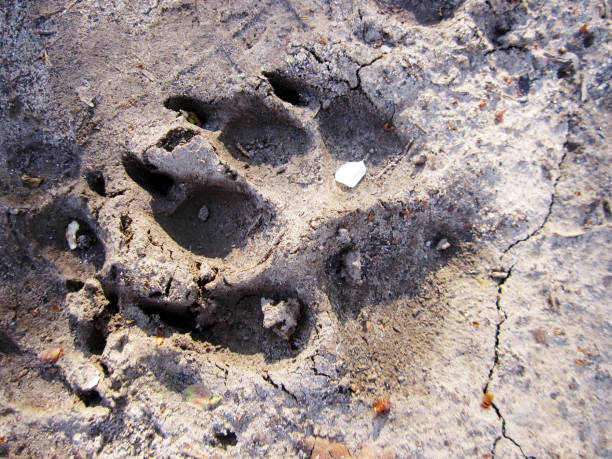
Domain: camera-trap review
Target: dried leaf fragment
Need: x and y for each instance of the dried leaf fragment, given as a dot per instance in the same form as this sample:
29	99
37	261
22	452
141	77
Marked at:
199	396
382	405
487	400
539	335
499	116
51	354
31	181
20	375
322	41
159	339
482	104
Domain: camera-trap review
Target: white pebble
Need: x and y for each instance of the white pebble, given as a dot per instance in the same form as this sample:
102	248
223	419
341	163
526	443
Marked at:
71	236
350	174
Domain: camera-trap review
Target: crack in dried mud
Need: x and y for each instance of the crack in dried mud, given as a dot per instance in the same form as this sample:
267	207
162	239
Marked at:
504	315
280	386
553	198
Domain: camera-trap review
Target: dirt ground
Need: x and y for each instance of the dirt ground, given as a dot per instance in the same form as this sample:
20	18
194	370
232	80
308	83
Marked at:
182	276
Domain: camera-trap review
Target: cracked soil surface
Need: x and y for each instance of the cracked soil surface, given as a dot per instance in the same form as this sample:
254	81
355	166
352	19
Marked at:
466	277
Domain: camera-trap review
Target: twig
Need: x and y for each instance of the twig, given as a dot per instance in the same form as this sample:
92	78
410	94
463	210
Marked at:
419	126
67	7
243	150
395	161
267	255
577	233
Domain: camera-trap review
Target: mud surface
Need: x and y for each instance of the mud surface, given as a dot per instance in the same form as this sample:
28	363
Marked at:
195	145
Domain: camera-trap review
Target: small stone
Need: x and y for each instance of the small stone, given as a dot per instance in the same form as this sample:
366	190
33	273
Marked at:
351	270
499	275
343	236
420	160
203	213
71	236
443	244
351	173
206	274
281	317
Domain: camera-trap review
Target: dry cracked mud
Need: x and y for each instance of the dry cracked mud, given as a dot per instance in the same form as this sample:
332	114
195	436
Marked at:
195	144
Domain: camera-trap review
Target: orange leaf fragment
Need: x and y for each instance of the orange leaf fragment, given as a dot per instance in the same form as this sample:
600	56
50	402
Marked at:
382	405
584	28
482	104
322	41
159	339
487	400
580	362
51	354
499	116
3	439
475	324
55	308
455	102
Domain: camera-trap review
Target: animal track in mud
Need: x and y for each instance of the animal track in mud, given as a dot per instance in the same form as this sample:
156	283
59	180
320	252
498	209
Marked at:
352	130
392	248
95	333
156	183
47	230
424	12
252	129
50	162
288	89
231	218
237	323
391	251
96	182
209	219
498	19
258	134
